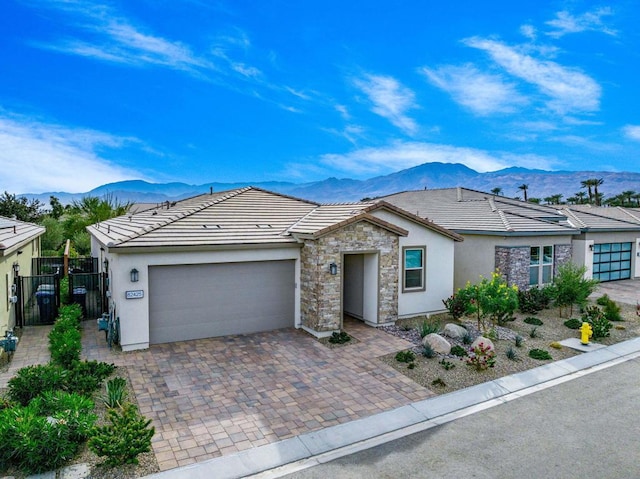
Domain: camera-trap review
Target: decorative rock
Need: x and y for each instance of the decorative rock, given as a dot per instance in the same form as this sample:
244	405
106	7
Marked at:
454	331
483	340
437	343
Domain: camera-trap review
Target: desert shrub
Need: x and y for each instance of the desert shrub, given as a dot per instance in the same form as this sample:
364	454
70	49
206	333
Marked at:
610	308
456	306
467	338
31	381
116	392
438	382
555	345
482	357
407	356
534	333
458	350
65	346
447	364
490	299
427	328
571	287
74	410
127	435
540	354
533	320
599	323
573	323
512	354
339	338
428	351
70	311
534	300
519	340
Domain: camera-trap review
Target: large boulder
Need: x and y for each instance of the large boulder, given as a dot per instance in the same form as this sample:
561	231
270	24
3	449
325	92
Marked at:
454	331
438	343
485	341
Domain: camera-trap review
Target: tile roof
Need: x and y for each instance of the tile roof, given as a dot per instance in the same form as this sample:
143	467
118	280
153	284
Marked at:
249	216
588	220
14	234
615	212
469	211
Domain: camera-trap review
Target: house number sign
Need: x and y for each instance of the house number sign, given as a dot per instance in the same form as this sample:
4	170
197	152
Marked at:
136	294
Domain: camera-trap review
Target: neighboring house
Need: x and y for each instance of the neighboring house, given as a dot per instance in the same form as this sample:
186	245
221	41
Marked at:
249	260
525	241
19	243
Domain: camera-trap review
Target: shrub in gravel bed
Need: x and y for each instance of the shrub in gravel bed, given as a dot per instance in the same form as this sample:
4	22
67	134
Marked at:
428	351
427	328
599	323
512	354
405	356
540	354
458	350
533	320
573	323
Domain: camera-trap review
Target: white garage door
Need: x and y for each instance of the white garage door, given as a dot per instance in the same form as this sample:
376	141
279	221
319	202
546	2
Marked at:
207	300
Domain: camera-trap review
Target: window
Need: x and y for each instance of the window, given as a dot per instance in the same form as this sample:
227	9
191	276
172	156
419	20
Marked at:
541	265
413	268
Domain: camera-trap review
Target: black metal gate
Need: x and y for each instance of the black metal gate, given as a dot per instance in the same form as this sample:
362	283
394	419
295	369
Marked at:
88	290
38	299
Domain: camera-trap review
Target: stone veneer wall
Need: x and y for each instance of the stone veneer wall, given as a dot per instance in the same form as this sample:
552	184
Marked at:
320	292
513	263
561	255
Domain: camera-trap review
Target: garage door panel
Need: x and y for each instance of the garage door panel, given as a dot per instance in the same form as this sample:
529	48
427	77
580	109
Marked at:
201	301
611	261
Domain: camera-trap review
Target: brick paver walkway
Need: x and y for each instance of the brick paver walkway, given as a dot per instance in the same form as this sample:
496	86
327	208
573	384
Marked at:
218	396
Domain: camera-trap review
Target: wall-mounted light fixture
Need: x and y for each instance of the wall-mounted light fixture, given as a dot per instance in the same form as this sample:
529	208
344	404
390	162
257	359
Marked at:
591	247
105	263
134	275
16	268
333	268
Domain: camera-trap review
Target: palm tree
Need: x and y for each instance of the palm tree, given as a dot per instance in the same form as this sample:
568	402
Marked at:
588	184
598	197
524	187
636	198
534	200
581	197
628	197
496	191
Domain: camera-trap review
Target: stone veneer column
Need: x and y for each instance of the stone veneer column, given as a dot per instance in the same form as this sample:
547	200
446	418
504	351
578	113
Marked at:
513	263
321	292
561	255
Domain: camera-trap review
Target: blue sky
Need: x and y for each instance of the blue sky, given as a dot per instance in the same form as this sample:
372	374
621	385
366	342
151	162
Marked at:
205	90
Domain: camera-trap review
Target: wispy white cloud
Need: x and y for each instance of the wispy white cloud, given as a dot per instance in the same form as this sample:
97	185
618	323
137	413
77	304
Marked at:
390	99
401	155
529	31
37	157
569	89
482	93
343	110
566	23
632	132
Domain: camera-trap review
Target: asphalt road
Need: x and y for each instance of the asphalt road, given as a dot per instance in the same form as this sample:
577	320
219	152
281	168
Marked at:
585	428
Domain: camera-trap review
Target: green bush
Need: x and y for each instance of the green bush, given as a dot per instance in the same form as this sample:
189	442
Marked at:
64	290
427	328
339	338
571	287
70	311
428	351
610	308
31	381
534	333
73	409
519	340
65	347
573	323
116	392
467	338
447	364
85	377
534	300
458	350
35	443
599	323
127	435
407	356
512	354
456	306
540	354
534	321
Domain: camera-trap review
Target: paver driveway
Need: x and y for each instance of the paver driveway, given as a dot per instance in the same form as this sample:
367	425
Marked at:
218	396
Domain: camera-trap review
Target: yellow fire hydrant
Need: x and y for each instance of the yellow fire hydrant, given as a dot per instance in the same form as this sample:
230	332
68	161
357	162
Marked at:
586	331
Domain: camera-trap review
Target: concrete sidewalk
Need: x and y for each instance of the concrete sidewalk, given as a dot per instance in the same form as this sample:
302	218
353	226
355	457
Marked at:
307	450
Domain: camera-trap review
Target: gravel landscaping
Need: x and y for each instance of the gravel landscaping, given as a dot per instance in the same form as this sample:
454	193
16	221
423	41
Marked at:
445	373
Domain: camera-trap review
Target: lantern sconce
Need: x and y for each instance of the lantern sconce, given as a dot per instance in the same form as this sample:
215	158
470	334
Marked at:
134	275
16	268
333	269
591	247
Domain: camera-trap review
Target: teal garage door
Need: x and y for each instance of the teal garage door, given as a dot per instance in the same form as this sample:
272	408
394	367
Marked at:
612	261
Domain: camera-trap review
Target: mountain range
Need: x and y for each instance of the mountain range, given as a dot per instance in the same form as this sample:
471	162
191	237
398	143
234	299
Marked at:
541	184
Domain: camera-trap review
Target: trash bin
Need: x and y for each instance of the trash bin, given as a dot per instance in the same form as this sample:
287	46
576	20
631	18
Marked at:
80	297
46	297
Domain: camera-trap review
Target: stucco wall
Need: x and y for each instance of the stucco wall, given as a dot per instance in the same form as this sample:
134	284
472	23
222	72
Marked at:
134	313
439	267
321	292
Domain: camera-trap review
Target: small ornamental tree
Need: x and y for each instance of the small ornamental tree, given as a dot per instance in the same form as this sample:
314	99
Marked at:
571	287
490	300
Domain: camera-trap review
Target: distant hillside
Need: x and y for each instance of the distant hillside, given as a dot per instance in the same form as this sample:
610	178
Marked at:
540	183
